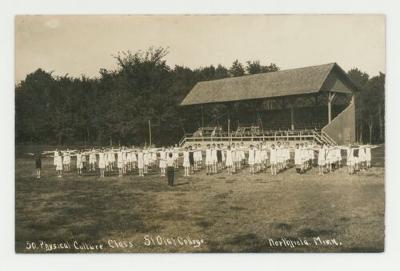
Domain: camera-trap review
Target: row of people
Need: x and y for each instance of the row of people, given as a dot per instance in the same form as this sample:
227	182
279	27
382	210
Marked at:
107	160
217	157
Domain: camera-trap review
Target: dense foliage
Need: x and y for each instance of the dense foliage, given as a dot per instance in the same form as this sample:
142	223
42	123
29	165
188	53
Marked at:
370	106
116	107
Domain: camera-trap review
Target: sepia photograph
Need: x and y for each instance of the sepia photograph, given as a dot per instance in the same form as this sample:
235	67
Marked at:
200	133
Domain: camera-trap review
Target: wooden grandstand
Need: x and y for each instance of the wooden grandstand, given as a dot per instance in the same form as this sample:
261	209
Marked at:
312	103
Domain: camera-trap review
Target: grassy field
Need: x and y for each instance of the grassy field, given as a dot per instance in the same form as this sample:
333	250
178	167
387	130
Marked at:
220	213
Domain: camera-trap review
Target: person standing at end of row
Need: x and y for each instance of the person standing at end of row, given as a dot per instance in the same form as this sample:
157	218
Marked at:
170	168
59	165
38	163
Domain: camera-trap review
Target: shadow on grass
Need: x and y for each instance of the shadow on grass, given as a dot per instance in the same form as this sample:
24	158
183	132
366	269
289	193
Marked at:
180	184
283	226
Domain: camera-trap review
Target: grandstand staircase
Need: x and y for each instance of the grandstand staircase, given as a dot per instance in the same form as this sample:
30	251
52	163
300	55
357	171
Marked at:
323	138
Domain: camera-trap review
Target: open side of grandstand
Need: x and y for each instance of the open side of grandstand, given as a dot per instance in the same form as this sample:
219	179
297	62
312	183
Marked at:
305	104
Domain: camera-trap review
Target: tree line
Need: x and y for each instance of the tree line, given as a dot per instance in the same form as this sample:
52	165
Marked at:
116	107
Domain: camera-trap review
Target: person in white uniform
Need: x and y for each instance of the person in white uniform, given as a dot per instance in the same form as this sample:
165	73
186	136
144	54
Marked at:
368	156
186	162
235	158
102	163
163	162
199	157
351	160
362	158
209	161
176	156
55	157
67	161
92	160
251	159
214	158
140	162
298	159
223	154
146	160
229	160
79	164
273	159
59	165
134	159
257	158
264	156
321	159
120	163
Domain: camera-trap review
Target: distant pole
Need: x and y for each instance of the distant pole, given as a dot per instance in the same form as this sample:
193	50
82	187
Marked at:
329	108
149	132
291	118
229	123
229	129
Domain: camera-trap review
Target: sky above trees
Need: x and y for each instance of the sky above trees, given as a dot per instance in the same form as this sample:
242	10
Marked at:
83	45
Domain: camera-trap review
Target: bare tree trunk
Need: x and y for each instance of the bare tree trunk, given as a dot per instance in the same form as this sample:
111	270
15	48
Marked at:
370	126
87	134
381	123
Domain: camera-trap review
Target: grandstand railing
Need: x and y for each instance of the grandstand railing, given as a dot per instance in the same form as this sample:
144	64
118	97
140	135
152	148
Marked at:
271	135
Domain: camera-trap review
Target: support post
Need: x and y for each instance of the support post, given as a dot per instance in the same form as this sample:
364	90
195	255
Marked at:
331	96
229	122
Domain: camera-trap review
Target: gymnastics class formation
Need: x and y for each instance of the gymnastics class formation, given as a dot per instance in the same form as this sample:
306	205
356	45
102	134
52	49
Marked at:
214	158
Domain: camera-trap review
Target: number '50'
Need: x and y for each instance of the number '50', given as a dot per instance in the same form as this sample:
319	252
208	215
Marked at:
30	245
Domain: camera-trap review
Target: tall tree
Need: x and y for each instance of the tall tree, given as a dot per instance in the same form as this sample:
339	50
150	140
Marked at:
373	106
254	67
360	79
236	69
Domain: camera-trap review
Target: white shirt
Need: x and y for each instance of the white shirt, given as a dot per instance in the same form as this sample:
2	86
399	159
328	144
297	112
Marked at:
170	161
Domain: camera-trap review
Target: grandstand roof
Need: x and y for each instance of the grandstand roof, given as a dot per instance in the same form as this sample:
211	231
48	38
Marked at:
306	80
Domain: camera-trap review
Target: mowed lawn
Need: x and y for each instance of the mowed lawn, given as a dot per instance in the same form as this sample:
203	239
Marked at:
239	213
